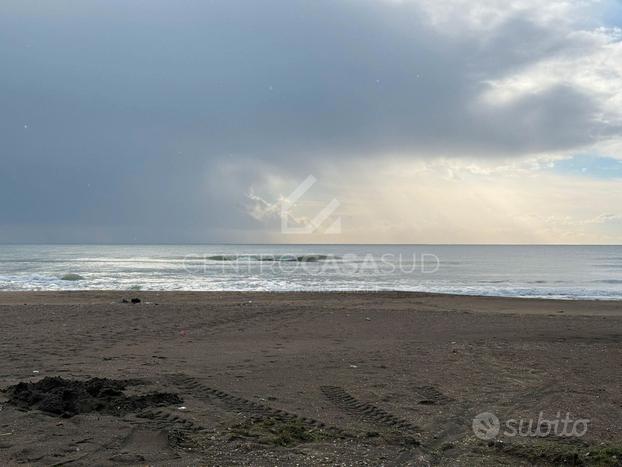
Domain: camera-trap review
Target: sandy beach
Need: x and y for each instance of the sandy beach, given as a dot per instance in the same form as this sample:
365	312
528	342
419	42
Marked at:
305	378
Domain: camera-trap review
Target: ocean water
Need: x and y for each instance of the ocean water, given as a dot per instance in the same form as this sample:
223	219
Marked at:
571	272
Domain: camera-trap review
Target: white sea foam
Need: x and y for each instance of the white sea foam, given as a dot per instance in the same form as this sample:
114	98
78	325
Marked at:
513	271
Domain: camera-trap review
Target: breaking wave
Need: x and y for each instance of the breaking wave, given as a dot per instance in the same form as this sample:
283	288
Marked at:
72	277
273	258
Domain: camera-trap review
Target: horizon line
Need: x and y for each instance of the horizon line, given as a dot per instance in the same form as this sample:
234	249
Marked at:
289	244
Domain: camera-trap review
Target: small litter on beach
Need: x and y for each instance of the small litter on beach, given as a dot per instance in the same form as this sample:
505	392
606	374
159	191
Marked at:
132	301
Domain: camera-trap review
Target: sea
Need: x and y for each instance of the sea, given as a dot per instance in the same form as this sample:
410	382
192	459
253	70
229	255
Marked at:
564	272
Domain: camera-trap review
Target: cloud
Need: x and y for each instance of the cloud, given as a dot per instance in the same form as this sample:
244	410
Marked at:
260	209
569	221
347	78
471	201
116	115
286	210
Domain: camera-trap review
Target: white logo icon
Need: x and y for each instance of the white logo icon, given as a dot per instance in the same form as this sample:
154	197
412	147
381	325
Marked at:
313	224
486	425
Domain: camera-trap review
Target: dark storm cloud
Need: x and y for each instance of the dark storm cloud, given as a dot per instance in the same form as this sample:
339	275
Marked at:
117	114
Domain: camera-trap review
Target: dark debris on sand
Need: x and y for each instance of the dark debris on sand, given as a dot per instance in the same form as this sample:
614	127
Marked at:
66	398
133	301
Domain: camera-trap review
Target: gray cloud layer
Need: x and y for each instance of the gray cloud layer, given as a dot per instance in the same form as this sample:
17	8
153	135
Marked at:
114	113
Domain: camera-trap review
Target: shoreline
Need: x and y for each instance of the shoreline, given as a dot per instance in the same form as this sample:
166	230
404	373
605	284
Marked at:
473	303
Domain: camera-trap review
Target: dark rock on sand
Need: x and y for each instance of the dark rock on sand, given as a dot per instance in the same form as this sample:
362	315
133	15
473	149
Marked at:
66	398
132	301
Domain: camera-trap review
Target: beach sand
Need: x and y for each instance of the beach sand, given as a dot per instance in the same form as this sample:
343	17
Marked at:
311	378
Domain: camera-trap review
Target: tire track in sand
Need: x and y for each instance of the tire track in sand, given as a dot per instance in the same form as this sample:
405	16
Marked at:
366	412
253	409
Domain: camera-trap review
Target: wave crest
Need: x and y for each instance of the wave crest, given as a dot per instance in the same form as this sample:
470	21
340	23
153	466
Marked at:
72	277
273	258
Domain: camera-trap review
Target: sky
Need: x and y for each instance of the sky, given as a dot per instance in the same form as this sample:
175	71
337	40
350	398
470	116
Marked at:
311	121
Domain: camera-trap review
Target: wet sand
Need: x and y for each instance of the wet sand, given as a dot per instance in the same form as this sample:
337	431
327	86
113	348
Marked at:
312	378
